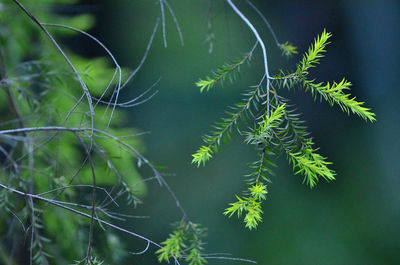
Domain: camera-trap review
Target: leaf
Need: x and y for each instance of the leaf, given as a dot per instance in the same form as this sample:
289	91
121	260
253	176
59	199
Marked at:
202	155
223	73
288	49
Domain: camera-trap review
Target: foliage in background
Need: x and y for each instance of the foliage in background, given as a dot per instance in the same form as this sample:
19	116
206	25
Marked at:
60	161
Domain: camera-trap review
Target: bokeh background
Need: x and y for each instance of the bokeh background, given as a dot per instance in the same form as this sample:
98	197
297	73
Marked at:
354	220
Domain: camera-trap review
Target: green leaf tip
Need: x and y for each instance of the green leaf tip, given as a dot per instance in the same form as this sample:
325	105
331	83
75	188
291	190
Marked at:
258	191
206	84
311	165
172	246
314	53
228	71
251	205
184	242
334	94
288	49
202	155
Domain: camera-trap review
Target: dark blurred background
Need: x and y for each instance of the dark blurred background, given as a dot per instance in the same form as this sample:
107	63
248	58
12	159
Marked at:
354	220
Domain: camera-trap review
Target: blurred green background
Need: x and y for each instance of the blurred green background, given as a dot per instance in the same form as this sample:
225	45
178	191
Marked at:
354	220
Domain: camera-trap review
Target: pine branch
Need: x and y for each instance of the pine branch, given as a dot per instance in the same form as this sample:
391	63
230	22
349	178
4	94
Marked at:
263	133
172	247
184	242
251	205
223	73
334	94
315	52
310	164
293	132
223	129
261	169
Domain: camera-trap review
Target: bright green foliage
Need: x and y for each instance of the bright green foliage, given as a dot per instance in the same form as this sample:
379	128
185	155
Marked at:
173	246
226	72
258	191
271	122
261	168
280	130
311	165
251	205
315	52
185	242
334	94
223	129
288	49
202	155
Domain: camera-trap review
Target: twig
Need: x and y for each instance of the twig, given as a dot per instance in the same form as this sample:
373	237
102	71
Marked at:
78	76
178	28
265	21
36	197
250	25
161	2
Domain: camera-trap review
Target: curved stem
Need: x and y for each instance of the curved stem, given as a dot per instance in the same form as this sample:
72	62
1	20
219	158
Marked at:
265	21
253	29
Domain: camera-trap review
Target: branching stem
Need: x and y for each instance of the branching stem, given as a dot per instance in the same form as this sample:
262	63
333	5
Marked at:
264	51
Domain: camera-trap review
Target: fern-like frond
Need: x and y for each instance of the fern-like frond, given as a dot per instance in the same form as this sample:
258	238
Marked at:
263	133
186	238
258	191
225	72
315	52
262	168
195	234
253	216
236	207
292	132
251	205
202	155
223	129
334	94
195	257
173	246
311	165
273	120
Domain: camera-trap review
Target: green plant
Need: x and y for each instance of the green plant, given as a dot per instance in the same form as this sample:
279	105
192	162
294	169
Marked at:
68	159
275	125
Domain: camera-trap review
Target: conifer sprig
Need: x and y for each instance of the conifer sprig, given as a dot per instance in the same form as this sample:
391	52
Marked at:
288	50
251	205
185	242
223	129
334	94
315	52
225	72
310	164
293	132
261	169
280	130
173	246
202	155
